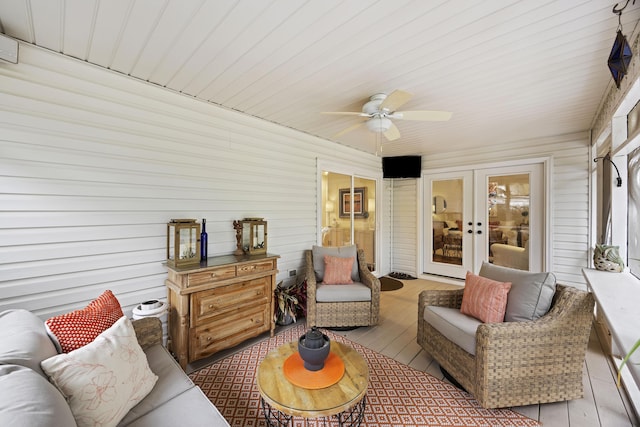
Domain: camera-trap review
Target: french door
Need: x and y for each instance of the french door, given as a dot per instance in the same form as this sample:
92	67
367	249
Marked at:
494	215
348	213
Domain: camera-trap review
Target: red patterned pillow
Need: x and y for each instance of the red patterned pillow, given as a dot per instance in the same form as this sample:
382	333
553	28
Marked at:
337	271
485	299
79	328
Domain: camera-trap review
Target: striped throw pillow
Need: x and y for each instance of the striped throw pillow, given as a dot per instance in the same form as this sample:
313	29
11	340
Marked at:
484	299
337	271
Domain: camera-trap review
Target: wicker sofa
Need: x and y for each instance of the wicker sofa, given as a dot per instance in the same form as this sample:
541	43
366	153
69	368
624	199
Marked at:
356	304
517	362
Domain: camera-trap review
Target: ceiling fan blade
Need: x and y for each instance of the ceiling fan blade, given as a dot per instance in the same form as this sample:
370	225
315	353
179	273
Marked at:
345	113
395	99
349	129
426	116
393	133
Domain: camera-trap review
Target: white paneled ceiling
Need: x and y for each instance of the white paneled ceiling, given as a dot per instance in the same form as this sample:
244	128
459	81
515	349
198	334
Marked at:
508	70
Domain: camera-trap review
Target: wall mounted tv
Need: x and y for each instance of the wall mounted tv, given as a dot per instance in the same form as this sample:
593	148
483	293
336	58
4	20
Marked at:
401	167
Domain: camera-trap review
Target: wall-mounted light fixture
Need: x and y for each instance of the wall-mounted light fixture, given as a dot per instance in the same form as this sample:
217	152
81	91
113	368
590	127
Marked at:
618	179
621	54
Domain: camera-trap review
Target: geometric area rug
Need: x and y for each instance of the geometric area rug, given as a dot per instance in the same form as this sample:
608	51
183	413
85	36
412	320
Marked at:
398	395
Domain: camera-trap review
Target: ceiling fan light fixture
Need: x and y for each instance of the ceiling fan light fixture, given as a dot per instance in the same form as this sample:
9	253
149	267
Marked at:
378	124
373	105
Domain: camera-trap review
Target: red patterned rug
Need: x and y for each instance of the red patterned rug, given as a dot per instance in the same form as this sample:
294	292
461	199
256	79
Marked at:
398	395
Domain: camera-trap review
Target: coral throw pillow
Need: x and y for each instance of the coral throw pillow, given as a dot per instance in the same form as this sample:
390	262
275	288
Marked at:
78	328
337	271
484	299
104	379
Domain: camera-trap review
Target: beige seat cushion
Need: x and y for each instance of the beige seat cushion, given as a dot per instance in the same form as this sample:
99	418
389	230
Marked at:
457	327
351	292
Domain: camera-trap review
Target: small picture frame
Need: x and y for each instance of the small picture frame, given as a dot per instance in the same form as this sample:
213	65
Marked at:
359	204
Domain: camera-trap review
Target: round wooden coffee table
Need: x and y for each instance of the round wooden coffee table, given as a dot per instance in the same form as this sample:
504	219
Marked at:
344	400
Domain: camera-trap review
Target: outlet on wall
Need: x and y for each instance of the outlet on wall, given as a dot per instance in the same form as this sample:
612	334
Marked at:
292	272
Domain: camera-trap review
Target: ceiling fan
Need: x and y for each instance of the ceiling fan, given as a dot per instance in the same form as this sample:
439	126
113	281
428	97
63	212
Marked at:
381	109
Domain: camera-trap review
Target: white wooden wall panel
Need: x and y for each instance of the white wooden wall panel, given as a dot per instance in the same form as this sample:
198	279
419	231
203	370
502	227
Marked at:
94	164
569	201
405	226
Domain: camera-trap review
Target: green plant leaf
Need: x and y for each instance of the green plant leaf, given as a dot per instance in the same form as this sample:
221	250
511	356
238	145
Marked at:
626	359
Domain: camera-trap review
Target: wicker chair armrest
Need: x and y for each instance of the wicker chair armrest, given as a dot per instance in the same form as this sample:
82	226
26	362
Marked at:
451	298
310	276
366	276
148	331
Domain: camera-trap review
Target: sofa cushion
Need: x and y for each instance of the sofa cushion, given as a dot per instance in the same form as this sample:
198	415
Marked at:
343	293
337	271
24	340
172	382
27	399
342	251
78	328
104	379
484	299
456	326
531	293
191	408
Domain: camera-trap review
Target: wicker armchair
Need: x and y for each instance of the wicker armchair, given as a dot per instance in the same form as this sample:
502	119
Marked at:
516	363
342	314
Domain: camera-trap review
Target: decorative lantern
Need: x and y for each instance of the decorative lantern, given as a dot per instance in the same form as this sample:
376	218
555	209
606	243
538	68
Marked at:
183	242
254	236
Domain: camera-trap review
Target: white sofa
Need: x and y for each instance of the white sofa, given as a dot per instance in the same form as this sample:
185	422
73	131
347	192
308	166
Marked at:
511	256
28	399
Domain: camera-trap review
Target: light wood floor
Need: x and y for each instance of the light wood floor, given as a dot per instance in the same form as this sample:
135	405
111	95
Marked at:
604	403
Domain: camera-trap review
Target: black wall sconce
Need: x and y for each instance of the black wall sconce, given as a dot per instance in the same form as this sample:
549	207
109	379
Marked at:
618	179
620	56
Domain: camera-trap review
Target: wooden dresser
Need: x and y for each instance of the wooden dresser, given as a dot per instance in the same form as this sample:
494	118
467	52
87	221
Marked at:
219	303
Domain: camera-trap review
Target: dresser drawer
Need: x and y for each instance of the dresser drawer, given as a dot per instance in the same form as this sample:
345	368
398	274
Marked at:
255	267
228	331
226	299
213	274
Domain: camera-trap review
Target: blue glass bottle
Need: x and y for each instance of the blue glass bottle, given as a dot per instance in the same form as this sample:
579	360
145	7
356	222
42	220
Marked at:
204	241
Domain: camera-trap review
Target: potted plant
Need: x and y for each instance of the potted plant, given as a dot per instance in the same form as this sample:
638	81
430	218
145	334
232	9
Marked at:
291	302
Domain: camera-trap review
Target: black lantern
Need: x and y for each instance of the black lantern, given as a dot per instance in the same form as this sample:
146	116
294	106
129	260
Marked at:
619	58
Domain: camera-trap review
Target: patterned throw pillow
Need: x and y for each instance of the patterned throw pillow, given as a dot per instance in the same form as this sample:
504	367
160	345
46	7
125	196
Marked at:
78	328
484	299
104	379
337	271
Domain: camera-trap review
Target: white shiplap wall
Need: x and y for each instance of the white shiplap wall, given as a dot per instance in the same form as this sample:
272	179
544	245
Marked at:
405	225
93	165
568	209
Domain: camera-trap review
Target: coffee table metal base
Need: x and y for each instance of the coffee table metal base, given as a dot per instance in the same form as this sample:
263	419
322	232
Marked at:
350	418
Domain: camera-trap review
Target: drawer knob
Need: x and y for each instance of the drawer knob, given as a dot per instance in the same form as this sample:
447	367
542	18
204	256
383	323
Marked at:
208	338
213	274
210	305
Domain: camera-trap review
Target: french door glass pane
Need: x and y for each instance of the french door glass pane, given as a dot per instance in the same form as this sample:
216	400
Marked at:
349	214
364	223
509	210
446	211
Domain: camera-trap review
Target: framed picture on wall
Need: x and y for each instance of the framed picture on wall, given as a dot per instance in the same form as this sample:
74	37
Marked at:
358	205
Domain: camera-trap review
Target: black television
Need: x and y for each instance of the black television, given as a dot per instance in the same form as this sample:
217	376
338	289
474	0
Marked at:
401	167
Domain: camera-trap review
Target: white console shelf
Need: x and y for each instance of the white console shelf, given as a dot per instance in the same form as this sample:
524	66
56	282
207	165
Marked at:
618	298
